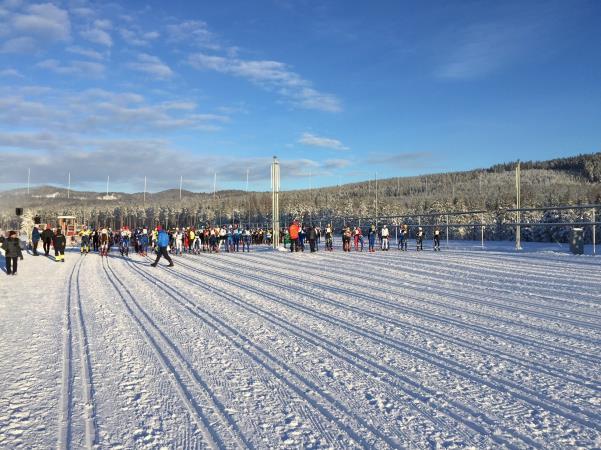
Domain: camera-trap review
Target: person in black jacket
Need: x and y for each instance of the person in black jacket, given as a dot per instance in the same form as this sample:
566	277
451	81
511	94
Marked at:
35	239
47	237
12	252
60	242
312	236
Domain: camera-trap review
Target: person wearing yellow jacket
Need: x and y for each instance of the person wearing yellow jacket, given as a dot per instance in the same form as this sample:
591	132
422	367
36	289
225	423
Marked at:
85	235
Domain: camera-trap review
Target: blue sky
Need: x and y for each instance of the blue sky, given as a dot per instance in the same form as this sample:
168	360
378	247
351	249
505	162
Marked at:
338	90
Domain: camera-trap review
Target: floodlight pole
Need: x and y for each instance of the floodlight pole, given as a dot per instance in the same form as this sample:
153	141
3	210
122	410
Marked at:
376	200
247	200
275	201
594	234
518	231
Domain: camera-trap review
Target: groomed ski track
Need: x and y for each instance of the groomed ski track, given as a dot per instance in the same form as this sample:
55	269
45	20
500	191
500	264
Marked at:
455	349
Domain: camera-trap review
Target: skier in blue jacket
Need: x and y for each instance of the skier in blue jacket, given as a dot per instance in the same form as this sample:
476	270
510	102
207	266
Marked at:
162	243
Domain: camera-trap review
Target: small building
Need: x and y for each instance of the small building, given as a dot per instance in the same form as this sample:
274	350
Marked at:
68	224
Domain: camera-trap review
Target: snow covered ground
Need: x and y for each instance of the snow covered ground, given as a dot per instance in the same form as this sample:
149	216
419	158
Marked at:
462	348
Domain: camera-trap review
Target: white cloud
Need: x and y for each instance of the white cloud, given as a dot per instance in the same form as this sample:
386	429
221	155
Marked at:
23	44
98	157
272	75
83	11
97	36
45	21
80	68
193	32
97	111
87	52
330	164
323	142
151	65
138	38
10	73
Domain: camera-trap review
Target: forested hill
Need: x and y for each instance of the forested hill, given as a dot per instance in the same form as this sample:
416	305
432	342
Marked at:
585	166
569	180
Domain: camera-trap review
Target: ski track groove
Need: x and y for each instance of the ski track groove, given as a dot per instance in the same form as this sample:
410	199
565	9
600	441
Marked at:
314	340
242	342
424	267
212	438
458	368
466	296
436	314
404	380
528	364
550	279
529	395
74	325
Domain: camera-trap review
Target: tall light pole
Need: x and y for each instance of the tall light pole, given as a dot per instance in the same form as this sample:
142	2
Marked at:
376	200
108	178
247	199
275	201
518	233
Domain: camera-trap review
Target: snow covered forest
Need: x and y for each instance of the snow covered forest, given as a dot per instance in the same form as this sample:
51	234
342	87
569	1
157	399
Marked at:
565	181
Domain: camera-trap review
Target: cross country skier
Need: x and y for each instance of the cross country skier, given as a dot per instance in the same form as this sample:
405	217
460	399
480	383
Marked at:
85	240
124	245
162	243
372	238
403	237
143	242
246	238
437	239
385	234
312	235
346	239
179	241
358	236
104	242
329	238
419	238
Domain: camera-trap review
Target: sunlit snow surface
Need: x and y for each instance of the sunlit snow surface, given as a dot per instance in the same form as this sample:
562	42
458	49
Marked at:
462	348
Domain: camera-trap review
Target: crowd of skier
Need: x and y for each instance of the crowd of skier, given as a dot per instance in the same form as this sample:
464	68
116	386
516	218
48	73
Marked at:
297	235
209	239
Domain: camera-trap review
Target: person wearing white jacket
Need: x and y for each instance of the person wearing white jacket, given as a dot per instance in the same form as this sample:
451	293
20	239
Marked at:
385	235
179	241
